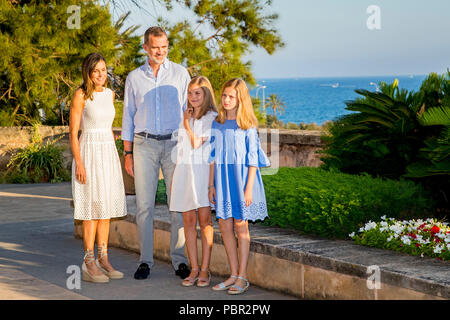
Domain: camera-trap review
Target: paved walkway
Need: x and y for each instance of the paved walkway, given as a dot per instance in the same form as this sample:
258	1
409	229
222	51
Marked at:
37	247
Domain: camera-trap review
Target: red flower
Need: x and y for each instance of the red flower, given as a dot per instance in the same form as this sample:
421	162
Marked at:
435	230
417	245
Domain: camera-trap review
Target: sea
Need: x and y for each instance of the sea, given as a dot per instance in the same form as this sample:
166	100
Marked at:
317	100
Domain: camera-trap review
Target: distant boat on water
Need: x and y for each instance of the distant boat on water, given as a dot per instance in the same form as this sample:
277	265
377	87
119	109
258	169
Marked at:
333	85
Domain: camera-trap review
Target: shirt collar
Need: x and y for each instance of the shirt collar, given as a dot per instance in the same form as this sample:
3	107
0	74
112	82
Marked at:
149	69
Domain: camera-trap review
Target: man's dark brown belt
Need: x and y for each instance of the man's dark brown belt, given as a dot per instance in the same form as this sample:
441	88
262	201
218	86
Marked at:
154	136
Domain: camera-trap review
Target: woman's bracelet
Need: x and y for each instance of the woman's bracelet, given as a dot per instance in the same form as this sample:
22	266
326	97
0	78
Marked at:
211	186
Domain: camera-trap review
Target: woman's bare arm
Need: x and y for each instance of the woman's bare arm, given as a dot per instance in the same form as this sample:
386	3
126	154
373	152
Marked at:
76	110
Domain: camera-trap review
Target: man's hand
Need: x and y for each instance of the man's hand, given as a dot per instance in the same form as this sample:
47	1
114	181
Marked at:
129	165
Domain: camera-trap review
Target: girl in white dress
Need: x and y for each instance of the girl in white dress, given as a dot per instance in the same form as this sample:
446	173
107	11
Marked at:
97	185
191	177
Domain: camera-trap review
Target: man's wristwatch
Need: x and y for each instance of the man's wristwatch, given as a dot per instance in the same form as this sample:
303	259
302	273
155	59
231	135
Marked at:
127	152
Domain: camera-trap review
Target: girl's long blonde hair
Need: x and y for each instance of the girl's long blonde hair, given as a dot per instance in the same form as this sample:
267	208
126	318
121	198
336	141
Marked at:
89	63
246	117
209	102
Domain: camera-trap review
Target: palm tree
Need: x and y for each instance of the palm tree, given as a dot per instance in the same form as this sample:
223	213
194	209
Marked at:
435	157
381	137
276	104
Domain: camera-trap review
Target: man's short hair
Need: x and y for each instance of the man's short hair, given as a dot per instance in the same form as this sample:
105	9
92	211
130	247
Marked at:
154	31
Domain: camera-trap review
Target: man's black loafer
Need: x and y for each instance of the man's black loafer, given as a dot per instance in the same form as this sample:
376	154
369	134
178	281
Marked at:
183	271
142	272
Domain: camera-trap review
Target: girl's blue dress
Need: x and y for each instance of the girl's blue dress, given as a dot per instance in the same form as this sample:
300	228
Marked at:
234	150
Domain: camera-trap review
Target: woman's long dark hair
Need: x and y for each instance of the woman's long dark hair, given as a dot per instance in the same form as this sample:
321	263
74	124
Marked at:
89	63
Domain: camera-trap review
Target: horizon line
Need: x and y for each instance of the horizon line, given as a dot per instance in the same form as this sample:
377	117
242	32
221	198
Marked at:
362	76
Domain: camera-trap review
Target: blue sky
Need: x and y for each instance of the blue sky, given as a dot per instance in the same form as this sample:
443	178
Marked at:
331	38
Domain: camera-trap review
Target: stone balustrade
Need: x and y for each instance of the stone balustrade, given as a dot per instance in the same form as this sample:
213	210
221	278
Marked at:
296	148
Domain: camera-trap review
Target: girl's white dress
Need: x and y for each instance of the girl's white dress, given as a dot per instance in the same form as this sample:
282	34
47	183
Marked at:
103	195
191	175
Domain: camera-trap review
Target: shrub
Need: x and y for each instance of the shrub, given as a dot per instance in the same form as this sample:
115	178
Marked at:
395	133
333	204
161	196
38	162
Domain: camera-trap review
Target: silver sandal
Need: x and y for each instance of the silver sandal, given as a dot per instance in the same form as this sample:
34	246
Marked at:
221	286
238	289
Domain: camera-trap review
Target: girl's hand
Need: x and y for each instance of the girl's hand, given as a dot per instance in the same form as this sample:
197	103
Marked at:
248	197
80	173
188	113
212	195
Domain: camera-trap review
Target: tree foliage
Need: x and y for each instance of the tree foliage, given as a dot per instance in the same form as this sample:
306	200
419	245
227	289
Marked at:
42	56
223	33
41	65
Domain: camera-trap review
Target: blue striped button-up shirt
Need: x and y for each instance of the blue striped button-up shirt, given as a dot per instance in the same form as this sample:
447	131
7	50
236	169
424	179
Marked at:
154	104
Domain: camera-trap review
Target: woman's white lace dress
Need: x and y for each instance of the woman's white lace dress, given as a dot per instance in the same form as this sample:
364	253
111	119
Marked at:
103	195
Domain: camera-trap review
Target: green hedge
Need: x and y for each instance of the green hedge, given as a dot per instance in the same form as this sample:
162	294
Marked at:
333	204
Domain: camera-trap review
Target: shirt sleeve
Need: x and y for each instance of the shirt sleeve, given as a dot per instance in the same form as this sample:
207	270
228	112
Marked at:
129	111
256	157
184	99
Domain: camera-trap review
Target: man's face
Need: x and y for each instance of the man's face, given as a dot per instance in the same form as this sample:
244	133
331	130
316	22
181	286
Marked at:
157	49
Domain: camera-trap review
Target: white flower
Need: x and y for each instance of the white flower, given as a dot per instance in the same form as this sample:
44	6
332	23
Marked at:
396	228
361	229
406	240
390	238
440	235
351	235
448	246
383	217
438	249
369	226
384	224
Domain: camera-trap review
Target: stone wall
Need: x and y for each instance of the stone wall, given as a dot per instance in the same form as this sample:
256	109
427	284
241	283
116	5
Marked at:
297	148
13	138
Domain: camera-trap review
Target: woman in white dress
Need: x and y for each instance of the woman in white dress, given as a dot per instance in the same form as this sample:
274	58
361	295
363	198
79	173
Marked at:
190	180
97	185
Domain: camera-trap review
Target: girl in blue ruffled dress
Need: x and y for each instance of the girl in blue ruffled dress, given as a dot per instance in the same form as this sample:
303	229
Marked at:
235	184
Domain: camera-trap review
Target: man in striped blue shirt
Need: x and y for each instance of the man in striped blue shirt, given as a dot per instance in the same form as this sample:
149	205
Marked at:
154	103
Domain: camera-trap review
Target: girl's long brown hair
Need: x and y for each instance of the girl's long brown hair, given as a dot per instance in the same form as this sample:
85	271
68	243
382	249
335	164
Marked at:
246	117
209	102
89	63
